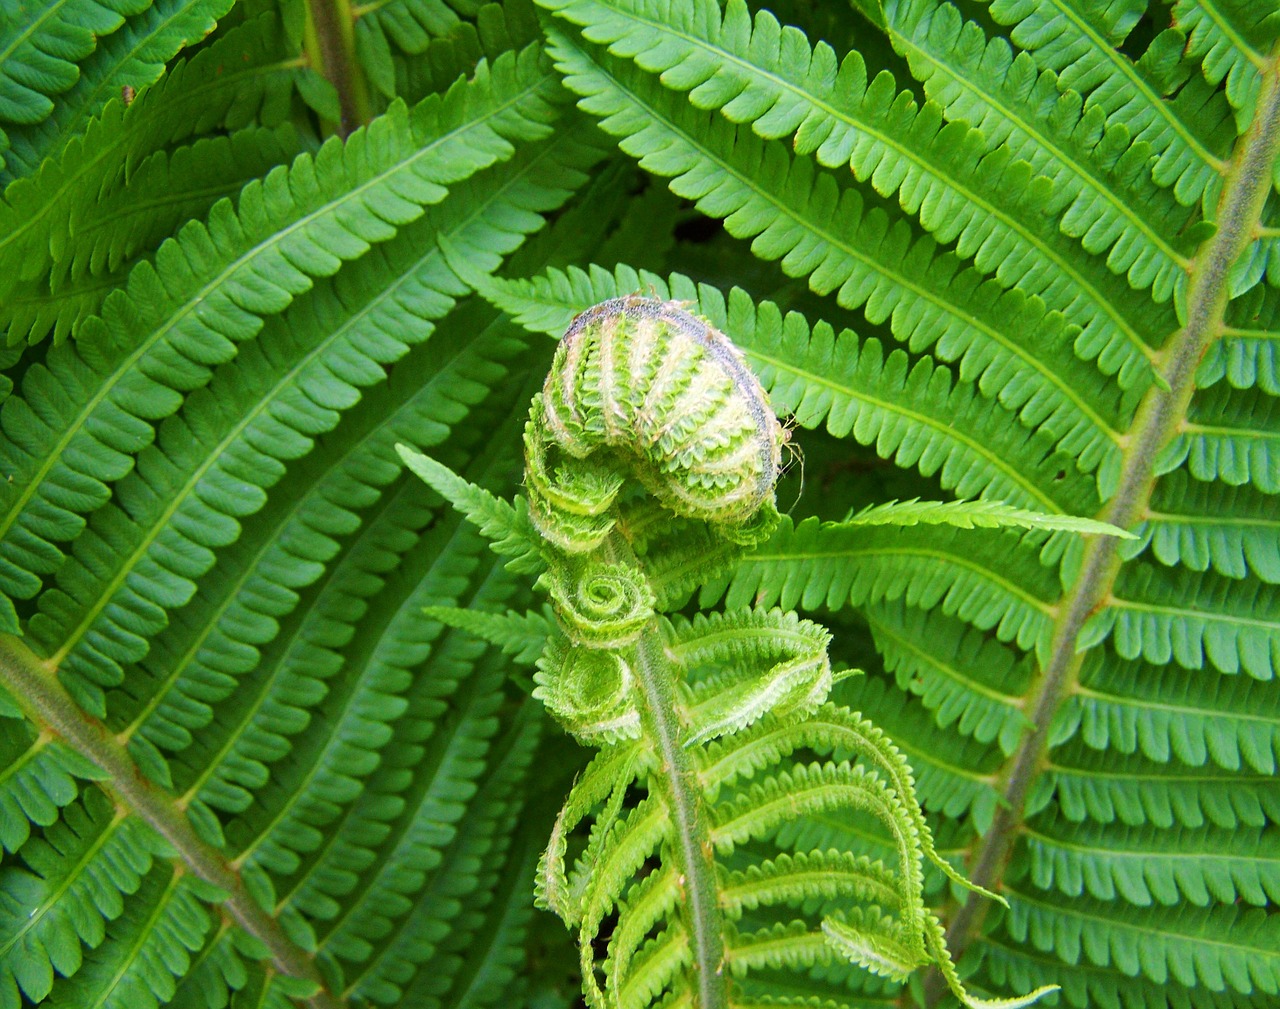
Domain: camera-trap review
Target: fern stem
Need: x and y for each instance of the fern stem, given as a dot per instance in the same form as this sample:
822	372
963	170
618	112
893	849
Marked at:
1157	422
694	858
34	685
333	53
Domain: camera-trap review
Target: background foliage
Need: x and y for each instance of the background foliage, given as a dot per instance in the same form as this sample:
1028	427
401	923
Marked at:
1026	251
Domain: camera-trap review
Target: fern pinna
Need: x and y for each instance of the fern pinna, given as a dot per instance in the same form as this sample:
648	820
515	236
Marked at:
651	456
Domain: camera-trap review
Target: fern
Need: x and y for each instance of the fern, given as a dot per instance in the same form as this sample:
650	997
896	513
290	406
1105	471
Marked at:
643	391
1006	271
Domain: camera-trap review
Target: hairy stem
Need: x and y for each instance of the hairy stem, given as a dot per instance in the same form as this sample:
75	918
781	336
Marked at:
331	46
1156	424
34	685
693	855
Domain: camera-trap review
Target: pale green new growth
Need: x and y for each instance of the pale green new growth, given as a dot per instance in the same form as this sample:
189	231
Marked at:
646	403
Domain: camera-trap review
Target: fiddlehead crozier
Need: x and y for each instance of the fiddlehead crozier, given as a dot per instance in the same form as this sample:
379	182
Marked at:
651	458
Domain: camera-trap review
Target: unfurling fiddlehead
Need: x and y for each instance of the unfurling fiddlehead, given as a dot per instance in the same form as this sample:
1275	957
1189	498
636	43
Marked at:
651	457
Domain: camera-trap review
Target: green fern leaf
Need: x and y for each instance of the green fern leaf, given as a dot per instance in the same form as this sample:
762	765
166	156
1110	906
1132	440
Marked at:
1110	202
1232	721
523	636
767	76
834	564
965	678
76	879
40	53
133	56
254	278
1231	40
1139	866
1205	525
1079	39
1195	951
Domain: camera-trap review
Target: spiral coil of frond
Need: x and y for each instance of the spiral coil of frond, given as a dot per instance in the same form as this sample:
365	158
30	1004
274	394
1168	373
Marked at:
652	446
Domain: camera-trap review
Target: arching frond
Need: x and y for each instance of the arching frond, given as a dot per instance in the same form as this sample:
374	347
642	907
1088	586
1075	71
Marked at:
236	278
1079	40
1110	201
132	56
1231	40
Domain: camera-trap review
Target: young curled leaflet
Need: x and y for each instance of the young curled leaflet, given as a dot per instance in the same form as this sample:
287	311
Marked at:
651	457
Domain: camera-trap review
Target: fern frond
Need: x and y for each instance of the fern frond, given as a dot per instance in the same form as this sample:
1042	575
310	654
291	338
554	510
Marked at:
1234	721
831	564
42	214
1231	39
351	197
1202	525
195	660
258	260
1217	948
1135	791
523	636
38	780
133	220
692	717
1079	40
955	781
964	677
770	77
409	25
975	515
133	56
507	527
795	879
75	881
150	945
497	29
1015	964
1156	616
1099	176
1233	437
1152	865
41	52
485	961
452	819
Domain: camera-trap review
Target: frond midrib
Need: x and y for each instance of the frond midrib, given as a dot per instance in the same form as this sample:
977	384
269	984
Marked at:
1155	425
33	682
